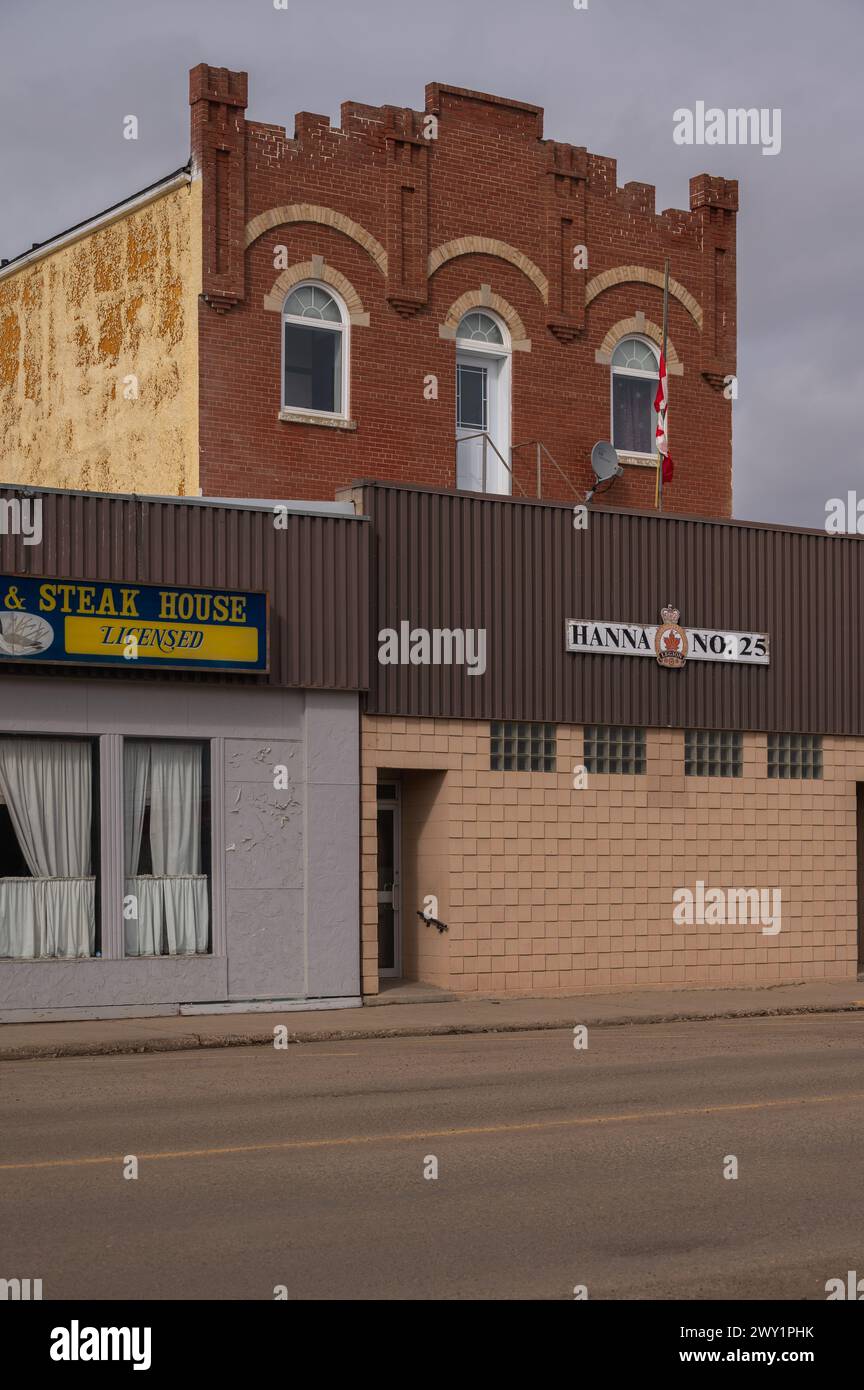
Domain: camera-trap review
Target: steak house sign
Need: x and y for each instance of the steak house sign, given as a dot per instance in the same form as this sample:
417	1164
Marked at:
671	644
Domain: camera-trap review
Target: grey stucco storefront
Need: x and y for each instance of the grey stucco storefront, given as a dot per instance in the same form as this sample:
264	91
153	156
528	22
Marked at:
241	789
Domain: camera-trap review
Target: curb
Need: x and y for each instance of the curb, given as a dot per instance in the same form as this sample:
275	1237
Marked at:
194	1042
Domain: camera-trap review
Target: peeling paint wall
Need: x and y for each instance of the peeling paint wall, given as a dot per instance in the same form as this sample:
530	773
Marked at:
86	327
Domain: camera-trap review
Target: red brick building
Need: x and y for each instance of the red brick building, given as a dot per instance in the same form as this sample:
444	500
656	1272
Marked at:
463	263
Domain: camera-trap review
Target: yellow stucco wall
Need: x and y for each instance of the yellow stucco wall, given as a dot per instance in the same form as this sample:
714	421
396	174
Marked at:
75	325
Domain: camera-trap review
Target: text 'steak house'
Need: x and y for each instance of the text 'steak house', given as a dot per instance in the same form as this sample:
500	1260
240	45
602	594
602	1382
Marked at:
179	756
498	744
626	754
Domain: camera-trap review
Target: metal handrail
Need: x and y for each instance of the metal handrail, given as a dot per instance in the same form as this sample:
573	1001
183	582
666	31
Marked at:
481	434
541	449
528	443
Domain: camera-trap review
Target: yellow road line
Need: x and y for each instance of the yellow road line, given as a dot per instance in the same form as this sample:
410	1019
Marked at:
425	1134
332	1054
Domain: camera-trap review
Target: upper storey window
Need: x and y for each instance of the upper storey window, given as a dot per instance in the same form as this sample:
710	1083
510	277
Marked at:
635	373
480	328
482	404
314	351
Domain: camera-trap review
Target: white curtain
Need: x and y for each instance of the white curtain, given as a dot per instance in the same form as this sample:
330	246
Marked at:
19	930
136	771
175	807
184	907
172	907
143	932
47	787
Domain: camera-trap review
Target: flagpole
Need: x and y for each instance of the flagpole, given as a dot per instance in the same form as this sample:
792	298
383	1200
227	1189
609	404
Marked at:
658	491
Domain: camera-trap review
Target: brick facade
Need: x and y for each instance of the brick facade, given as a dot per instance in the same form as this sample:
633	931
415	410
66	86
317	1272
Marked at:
415	216
547	889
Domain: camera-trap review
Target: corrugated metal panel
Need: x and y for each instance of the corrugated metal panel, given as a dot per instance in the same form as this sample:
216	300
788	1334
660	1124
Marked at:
520	570
316	571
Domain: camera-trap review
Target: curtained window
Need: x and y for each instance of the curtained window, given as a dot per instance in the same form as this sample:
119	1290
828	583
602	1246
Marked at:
635	374
49	848
166	846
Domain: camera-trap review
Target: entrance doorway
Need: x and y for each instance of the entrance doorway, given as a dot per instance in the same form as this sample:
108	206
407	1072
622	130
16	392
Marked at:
389	876
482	405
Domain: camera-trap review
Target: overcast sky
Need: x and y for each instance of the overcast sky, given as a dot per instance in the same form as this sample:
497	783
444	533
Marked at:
609	77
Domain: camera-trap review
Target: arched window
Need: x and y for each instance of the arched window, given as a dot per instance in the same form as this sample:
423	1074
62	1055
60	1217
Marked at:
314	351
479	328
482	403
635	373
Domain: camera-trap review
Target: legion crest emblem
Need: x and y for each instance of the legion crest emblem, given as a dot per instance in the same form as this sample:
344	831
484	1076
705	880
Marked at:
670	641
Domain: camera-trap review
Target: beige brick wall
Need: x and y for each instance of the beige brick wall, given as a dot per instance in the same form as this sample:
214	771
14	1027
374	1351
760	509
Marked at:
551	889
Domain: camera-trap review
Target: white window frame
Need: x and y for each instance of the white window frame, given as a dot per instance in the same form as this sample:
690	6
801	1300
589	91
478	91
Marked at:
343	327
501	428
633	372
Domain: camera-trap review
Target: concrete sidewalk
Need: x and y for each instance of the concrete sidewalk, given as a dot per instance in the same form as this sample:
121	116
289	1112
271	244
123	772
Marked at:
19	1041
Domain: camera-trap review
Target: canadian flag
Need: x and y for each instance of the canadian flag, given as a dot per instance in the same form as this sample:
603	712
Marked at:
661	405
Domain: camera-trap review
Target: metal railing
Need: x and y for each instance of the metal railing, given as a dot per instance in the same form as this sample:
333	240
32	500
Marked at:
535	444
541	450
487	444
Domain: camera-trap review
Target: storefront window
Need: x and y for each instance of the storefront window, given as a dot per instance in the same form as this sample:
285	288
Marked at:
166	846
49	848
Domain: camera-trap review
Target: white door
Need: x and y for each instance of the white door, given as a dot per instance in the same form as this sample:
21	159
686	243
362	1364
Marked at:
482	415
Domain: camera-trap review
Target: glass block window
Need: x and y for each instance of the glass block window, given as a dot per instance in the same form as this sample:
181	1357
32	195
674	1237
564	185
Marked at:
614	748
794	755
713	753
522	747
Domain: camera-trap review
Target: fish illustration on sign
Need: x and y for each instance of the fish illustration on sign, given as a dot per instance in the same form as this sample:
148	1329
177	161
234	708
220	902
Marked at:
24	634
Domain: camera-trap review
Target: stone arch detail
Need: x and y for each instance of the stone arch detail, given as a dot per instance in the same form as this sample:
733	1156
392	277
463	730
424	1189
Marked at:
484	298
624	328
317	269
488	246
643	275
326	217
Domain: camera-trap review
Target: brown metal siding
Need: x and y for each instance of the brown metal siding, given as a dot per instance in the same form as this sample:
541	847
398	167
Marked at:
315	570
520	570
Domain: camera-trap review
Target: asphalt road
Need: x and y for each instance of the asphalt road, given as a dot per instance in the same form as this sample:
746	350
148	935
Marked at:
556	1167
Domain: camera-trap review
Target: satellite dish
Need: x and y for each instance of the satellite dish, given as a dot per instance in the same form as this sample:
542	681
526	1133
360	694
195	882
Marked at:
605	466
